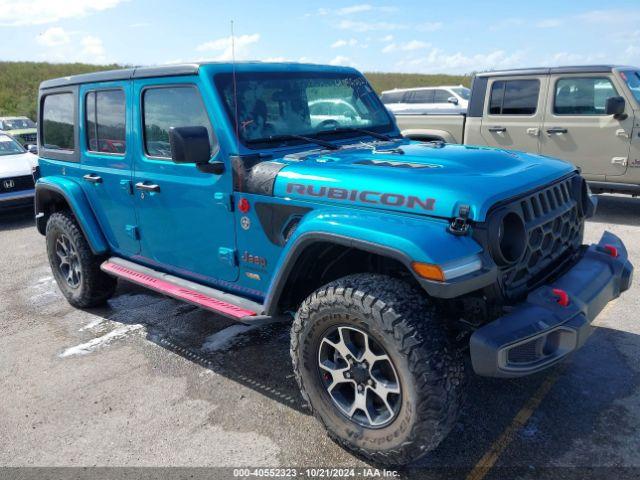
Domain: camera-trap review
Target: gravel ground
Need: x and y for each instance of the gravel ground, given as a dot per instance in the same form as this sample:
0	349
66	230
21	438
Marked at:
149	381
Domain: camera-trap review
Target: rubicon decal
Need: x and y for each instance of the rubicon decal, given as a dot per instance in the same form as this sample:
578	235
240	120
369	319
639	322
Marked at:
363	196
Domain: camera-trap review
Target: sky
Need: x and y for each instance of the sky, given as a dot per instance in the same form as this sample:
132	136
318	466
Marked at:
385	36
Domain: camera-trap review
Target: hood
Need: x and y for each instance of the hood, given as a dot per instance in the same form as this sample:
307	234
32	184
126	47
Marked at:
17	165
425	178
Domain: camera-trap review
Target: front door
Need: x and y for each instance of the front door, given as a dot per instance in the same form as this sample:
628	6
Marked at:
576	128
107	162
513	112
185	219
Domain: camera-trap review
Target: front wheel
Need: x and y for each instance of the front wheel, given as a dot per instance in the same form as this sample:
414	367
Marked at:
377	367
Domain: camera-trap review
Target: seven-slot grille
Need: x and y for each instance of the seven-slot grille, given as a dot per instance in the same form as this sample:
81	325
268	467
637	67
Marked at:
15	184
554	231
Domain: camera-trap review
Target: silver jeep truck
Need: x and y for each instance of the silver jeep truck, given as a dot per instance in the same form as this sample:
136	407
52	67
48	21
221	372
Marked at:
587	115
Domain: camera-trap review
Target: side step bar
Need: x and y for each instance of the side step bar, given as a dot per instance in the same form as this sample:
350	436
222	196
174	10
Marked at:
217	301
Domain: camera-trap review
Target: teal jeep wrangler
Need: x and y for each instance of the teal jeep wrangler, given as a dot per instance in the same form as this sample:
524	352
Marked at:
285	192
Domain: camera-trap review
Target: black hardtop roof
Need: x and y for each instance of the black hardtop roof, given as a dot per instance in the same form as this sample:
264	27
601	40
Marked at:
167	71
552	70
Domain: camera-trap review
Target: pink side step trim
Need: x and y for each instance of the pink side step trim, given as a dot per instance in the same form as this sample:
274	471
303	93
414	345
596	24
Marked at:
176	291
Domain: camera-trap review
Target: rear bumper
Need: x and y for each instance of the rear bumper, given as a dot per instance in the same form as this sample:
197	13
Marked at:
18	199
539	332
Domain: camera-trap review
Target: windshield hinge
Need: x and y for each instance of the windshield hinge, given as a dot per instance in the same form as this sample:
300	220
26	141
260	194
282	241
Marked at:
460	224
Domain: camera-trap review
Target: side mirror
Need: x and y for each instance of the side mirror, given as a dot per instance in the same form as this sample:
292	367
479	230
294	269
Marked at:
453	100
615	107
32	149
191	145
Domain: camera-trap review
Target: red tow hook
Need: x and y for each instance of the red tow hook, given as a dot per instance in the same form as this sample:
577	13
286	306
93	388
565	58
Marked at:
611	250
563	297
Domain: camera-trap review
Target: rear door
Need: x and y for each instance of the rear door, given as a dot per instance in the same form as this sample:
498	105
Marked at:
576	128
514	111
107	166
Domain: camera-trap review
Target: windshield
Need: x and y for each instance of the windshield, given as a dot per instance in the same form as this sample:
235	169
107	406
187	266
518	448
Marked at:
632	77
462	92
8	146
16	124
274	105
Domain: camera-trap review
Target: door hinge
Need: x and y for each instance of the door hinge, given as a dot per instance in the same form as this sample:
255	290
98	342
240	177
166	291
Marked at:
225	199
622	133
132	231
228	256
127	186
622	161
460	224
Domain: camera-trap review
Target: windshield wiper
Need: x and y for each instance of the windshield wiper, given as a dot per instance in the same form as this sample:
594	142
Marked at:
380	136
291	136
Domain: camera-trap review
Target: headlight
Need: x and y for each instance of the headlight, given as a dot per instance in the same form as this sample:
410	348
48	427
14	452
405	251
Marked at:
507	237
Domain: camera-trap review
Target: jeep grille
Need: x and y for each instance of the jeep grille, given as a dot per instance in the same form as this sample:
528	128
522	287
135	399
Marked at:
554	229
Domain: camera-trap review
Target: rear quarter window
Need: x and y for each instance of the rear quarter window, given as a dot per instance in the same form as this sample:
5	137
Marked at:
58	122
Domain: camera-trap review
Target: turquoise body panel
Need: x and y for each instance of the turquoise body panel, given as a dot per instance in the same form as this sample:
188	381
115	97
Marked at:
55	178
194	229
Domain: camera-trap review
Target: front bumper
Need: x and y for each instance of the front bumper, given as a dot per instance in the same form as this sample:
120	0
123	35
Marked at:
539	332
18	199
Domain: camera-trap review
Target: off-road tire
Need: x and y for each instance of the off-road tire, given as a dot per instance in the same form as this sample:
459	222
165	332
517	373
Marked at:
95	287
400	317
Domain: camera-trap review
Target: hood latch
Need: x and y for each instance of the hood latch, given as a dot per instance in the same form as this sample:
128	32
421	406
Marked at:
460	224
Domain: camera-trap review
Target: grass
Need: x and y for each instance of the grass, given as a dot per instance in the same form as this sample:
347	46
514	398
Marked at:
19	82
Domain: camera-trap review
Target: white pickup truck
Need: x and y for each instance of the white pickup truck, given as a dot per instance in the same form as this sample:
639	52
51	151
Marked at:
587	115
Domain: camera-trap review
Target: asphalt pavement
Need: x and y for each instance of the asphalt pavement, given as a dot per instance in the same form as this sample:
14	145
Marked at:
148	381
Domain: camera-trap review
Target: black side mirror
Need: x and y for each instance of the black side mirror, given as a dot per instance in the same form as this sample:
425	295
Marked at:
615	107
191	145
453	100
32	149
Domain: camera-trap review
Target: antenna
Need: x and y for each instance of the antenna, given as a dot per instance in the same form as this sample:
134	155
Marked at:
235	88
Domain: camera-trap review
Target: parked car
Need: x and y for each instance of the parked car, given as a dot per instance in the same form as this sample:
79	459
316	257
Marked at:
21	128
394	254
16	174
334	113
587	115
427	99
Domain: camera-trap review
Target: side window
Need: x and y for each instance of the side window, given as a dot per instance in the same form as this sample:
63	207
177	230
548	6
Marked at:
582	96
421	96
105	121
514	97
392	97
58	122
441	96
166	107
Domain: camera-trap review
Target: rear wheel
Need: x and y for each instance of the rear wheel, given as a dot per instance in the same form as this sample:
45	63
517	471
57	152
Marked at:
74	266
377	367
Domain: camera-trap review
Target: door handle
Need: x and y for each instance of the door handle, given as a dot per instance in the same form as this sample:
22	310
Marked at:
147	187
92	178
622	133
556	131
497	129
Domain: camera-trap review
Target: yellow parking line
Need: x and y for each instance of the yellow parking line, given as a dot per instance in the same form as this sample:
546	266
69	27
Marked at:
489	459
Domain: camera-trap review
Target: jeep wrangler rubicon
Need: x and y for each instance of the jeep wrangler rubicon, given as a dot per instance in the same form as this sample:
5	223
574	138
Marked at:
219	185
